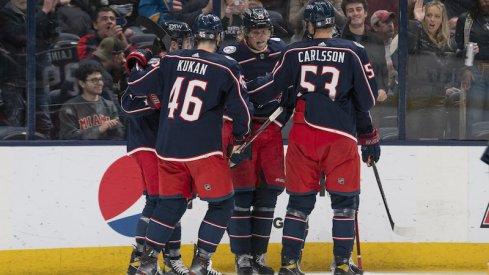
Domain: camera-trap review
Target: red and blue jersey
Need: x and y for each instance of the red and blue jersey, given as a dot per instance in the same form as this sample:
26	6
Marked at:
258	64
331	80
194	87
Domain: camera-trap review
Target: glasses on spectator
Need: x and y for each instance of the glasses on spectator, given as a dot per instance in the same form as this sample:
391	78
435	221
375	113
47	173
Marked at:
95	80
257	33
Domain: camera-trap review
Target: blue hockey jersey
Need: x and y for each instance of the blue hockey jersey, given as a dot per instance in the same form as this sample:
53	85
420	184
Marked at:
334	78
258	64
194	87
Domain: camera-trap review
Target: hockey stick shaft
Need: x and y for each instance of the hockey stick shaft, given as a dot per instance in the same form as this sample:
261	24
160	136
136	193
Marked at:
357	237
377	177
262	128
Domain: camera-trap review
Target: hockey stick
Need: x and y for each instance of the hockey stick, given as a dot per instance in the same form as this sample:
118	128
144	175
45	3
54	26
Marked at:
262	128
357	237
402	231
156	30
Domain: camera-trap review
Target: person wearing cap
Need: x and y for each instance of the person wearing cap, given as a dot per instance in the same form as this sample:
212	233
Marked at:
382	23
110	55
356	30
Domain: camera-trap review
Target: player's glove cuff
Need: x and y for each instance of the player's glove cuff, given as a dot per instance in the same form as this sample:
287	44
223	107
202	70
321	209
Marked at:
369	139
154	101
140	56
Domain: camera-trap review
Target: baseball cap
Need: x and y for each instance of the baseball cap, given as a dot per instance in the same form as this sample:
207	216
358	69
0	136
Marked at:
382	16
108	48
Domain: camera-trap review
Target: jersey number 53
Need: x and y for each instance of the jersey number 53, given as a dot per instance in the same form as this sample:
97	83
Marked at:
329	86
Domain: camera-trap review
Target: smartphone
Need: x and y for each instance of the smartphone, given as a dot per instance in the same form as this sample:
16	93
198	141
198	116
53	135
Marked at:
236	2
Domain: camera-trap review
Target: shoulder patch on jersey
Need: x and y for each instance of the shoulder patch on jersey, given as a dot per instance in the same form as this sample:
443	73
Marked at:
358	44
153	62
275	39
229	49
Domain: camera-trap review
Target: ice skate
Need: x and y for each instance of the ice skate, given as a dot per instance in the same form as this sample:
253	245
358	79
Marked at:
134	262
243	264
201	264
290	267
149	263
342	266
260	267
353	267
174	266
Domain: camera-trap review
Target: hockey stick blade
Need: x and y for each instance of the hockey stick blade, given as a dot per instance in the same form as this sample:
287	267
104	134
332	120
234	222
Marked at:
156	30
401	231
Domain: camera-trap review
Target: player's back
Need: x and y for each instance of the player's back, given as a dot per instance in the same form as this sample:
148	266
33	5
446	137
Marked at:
333	76
196	87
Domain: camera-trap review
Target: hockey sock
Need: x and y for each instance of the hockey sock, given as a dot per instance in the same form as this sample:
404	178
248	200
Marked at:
172	247
239	227
214	224
143	221
262	218
343	224
162	223
295	224
343	236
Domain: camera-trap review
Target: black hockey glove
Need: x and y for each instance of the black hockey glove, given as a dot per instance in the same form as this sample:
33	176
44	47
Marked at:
139	56
236	158
370	147
485	156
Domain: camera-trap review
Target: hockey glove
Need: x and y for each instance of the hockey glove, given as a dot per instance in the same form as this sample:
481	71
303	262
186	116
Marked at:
153	101
485	156
370	147
237	158
139	56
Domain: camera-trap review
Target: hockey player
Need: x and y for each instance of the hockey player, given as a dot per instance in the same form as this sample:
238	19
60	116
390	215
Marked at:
258	181
141	138
334	88
194	87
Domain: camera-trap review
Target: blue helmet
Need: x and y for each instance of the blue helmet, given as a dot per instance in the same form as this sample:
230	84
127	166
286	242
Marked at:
176	29
320	13
207	26
257	18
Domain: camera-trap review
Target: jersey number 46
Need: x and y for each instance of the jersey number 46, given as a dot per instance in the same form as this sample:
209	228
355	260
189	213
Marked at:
186	112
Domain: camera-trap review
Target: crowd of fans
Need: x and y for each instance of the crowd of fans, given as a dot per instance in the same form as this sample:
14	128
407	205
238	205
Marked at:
447	95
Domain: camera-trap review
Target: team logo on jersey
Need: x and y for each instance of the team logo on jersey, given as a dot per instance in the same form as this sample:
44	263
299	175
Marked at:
119	196
229	49
485	220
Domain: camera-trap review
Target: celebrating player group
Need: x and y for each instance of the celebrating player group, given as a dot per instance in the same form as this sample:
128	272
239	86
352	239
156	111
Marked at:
192	108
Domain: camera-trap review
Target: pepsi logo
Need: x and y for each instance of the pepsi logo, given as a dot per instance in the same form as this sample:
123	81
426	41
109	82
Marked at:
120	195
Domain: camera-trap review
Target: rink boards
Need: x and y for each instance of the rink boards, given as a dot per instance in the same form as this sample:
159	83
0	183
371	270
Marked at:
66	209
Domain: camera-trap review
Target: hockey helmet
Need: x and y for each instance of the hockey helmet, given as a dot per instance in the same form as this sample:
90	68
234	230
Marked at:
320	13
257	18
207	26
179	32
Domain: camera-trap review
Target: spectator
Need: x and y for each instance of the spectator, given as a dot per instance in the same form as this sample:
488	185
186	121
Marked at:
110	56
193	8
296	14
73	19
90	116
104	23
473	27
383	25
13	37
159	11
357	31
429	71
232	19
